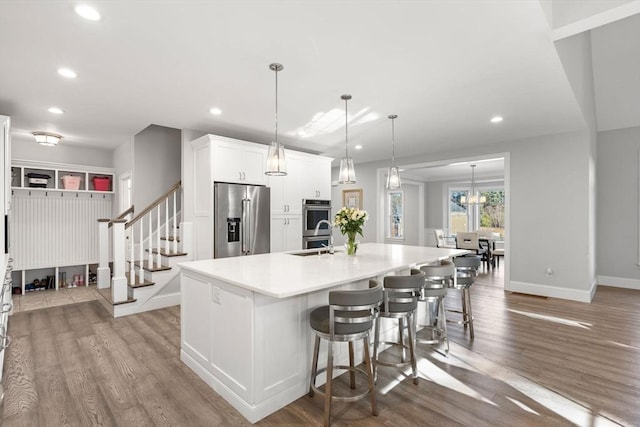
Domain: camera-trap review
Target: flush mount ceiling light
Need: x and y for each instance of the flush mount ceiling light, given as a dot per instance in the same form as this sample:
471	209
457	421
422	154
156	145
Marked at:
67	72
47	138
56	110
393	174
496	119
347	170
474	197
275	157
87	12
358	147
215	111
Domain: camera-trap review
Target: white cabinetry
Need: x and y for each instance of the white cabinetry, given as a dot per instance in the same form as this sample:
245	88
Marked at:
286	233
5	165
220	159
238	161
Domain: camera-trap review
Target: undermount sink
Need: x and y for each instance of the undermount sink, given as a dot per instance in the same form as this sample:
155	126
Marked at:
311	252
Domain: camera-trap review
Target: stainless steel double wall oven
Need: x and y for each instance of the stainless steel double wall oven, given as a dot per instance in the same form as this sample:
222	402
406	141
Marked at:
314	211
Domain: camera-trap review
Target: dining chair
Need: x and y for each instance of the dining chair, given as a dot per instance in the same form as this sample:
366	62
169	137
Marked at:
470	240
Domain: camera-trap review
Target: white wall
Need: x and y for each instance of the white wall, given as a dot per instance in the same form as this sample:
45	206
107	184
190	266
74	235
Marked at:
26	148
188	185
157	163
617	205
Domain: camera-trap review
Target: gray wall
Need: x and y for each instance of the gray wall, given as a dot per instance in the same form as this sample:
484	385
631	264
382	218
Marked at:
156	165
26	148
549	192
618	216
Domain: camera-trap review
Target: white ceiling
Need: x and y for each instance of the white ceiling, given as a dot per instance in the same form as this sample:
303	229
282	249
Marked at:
444	67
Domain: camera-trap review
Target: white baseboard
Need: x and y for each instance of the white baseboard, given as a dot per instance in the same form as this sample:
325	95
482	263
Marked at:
619	282
551	291
155	303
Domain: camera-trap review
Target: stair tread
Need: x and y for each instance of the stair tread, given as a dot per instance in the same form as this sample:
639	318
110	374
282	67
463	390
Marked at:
106	294
138	285
154	266
163	252
171	238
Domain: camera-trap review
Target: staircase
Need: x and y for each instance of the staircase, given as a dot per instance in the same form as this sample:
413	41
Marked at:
144	252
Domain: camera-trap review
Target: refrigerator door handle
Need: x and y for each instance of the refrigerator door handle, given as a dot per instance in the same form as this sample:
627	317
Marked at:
246	226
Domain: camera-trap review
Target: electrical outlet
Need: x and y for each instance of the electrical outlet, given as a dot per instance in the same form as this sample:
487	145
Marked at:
215	295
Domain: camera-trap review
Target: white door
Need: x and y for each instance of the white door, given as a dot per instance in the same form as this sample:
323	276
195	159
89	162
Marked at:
125	192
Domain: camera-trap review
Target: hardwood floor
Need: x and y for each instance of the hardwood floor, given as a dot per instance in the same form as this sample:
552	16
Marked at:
534	362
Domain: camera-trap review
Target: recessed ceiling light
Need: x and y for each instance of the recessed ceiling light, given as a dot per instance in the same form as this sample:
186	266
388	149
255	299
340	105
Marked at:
56	110
67	72
215	111
496	119
358	147
87	12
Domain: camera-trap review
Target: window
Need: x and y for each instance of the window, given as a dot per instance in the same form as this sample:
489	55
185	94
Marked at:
458	218
492	212
486	217
395	209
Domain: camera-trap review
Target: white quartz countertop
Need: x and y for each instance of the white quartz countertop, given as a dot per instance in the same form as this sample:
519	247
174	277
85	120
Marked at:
282	274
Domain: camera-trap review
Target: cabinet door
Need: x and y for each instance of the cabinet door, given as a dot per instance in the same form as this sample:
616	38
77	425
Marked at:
317	185
196	306
295	179
277	233
227	161
5	163
278	185
293	233
254	162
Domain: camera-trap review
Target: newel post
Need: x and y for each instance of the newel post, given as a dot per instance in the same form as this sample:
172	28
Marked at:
104	274
119	281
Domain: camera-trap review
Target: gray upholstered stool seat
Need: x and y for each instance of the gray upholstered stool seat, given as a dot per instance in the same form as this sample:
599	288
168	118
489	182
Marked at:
437	279
466	271
349	317
400	301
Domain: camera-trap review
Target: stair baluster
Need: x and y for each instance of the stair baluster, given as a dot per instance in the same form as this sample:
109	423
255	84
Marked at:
158	225
175	224
132	267
150	243
167	222
141	249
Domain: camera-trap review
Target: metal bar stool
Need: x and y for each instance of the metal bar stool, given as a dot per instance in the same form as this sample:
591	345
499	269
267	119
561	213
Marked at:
437	279
348	317
466	270
399	301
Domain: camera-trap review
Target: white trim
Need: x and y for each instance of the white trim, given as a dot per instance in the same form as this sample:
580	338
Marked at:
619	282
155	303
36	164
612	15
551	291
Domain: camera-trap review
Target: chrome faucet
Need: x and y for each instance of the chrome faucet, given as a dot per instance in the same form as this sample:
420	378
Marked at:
315	233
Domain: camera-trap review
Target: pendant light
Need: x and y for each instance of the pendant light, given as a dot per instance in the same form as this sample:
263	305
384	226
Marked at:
275	157
347	170
473	198
393	174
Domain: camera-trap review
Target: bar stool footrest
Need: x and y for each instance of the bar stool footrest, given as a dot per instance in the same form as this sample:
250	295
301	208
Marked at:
353	398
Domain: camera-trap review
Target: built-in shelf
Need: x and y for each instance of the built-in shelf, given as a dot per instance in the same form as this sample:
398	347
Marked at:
88	177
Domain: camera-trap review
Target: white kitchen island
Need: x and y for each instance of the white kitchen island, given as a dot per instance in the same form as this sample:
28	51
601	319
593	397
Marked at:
245	320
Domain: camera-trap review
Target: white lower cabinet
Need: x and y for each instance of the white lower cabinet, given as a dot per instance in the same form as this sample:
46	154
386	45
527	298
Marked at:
286	233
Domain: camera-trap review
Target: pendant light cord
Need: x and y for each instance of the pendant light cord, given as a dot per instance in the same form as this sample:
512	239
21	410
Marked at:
393	142
276	118
346	130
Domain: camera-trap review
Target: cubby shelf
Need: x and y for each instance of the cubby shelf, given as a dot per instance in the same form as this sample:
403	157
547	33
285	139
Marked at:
20	170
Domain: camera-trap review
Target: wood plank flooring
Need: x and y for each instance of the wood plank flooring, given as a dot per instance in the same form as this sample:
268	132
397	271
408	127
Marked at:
534	362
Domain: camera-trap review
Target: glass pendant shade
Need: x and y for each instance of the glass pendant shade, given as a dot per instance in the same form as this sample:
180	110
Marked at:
393	173
276	165
275	157
393	178
347	171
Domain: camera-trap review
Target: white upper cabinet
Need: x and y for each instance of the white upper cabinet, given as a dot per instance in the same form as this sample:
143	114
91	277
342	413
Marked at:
317	182
238	161
5	162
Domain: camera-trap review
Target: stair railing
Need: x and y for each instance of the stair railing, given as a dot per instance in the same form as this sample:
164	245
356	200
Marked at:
145	219
124	240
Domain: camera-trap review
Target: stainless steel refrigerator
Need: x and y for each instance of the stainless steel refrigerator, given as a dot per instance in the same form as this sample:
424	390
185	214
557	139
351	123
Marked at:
242	220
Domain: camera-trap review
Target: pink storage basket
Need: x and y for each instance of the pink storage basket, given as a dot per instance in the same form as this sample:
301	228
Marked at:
71	182
102	183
